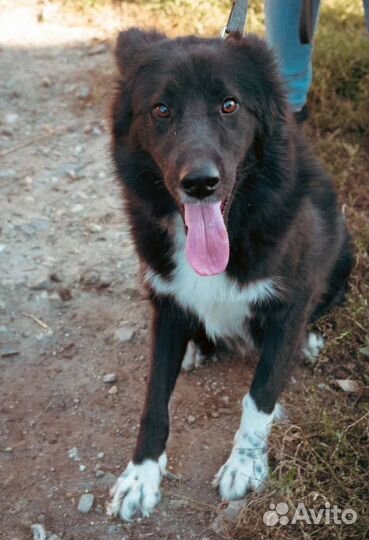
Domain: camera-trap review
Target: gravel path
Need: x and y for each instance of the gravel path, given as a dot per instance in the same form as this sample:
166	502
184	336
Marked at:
71	311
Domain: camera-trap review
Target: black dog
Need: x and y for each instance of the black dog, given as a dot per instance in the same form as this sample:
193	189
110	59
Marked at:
236	225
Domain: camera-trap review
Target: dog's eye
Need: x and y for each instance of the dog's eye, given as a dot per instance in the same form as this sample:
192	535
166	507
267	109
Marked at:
161	111
229	105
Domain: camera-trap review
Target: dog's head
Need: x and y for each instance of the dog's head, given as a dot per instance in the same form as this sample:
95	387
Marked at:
195	112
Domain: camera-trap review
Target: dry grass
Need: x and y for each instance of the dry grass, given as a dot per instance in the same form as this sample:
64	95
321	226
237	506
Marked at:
321	460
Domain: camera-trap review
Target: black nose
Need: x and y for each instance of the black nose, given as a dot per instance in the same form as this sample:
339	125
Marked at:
202	181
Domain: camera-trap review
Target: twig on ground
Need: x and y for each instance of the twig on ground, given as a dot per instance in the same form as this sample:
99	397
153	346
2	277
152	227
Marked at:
36	320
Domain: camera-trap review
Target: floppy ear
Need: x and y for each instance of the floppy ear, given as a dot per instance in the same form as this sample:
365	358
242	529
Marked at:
132	45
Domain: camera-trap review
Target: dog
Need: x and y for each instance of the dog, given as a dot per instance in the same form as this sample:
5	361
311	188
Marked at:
237	228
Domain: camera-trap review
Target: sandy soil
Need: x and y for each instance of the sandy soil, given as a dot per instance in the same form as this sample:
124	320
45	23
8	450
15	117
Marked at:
68	281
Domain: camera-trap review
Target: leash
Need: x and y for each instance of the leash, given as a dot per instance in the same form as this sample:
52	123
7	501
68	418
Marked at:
237	19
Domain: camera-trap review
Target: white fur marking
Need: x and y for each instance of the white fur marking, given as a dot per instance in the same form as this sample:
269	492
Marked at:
313	345
193	357
247	465
137	490
218	301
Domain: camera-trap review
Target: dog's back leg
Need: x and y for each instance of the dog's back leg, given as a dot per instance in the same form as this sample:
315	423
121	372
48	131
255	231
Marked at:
337	283
199	349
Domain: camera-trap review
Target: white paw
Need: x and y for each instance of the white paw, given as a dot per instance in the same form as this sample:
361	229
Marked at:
246	469
137	490
313	345
194	358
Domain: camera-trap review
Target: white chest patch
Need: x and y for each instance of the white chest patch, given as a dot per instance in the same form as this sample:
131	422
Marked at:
218	301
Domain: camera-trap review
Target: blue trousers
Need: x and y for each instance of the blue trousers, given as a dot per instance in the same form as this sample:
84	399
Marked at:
294	59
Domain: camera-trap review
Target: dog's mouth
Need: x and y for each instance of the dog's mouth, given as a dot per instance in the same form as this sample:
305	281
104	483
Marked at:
207	242
224	206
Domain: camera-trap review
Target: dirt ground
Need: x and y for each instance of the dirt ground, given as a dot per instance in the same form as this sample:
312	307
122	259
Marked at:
68	282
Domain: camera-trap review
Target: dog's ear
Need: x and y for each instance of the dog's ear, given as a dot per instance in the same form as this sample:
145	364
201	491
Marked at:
132	45
257	74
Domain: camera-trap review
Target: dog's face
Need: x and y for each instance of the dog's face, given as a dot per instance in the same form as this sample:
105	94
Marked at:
197	108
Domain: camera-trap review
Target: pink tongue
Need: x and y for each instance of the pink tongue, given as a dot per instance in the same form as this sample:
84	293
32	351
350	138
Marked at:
207	245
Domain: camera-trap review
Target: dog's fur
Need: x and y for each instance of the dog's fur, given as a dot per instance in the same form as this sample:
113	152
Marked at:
290	253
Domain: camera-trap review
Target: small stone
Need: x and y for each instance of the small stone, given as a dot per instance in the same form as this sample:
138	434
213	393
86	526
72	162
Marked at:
69	170
99	473
94	228
44	295
8	450
84	92
98	49
90	278
11	118
74	454
54	298
215	414
110	378
124	334
46	82
113	390
8	350
86	502
64	293
348	385
28	180
100	455
105	281
96	130
191	419
82	468
77	208
69	351
41	285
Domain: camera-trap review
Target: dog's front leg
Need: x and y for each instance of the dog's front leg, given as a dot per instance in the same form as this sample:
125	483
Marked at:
137	490
247	466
